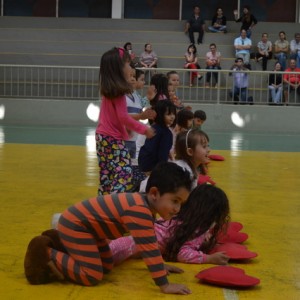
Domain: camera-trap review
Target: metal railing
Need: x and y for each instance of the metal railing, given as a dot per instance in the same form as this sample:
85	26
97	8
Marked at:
81	83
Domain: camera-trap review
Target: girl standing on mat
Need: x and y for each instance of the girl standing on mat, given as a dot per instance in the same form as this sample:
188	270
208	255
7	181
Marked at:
115	172
190	235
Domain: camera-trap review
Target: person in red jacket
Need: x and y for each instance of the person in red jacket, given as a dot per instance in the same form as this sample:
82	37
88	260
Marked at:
291	82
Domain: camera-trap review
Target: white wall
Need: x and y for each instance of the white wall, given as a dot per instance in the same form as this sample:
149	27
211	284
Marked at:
257	118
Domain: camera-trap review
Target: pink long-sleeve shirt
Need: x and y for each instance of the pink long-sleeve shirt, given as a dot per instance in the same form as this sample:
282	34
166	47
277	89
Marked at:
189	251
114	119
123	248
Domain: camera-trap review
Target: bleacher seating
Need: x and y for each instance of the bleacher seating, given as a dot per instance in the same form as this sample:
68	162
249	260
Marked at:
82	41
77	41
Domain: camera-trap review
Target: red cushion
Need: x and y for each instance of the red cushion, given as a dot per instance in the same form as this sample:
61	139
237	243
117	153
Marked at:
235	226
227	276
216	157
202	179
232	234
234	251
233	237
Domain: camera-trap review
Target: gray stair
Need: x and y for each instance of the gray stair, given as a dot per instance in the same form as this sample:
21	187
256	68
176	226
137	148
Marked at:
81	42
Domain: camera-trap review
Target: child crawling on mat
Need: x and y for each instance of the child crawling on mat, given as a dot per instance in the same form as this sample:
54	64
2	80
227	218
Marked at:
84	255
191	234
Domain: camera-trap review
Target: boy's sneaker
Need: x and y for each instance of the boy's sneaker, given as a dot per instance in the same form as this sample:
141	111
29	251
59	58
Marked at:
54	220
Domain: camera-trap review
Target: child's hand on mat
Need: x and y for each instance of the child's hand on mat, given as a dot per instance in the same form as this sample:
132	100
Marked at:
175	288
218	258
173	269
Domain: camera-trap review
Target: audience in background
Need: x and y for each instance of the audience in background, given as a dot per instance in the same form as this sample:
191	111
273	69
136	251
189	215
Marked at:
134	58
195	24
291	82
247	19
240	83
242	45
264	51
191	62
218	23
148	58
213	59
275	84
295	49
281	49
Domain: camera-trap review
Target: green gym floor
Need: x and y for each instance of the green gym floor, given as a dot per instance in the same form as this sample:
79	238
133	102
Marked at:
43	170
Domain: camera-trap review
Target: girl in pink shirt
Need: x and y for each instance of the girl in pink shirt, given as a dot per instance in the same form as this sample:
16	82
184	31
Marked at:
190	235
115	172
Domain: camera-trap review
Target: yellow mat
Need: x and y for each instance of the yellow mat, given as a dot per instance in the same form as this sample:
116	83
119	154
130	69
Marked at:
263	187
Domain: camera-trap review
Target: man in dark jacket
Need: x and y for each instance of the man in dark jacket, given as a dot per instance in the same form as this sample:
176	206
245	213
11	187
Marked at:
195	24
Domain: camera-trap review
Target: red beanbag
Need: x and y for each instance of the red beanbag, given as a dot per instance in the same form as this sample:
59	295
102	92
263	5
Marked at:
227	276
234	251
232	234
235	226
216	157
203	179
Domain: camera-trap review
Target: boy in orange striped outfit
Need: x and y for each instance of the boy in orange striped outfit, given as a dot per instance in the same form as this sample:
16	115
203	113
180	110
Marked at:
85	227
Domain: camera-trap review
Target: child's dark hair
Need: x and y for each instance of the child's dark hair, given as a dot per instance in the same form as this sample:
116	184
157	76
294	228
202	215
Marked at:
161	108
200	114
183	116
171	73
168	177
112	81
192	46
138	73
160	81
205	205
190	139
216	12
127	44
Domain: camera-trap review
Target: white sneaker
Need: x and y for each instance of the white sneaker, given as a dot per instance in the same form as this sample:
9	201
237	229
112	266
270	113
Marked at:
54	221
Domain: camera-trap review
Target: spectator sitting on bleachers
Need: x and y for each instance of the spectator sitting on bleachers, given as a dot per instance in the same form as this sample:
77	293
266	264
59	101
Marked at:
191	62
148	59
275	84
295	49
247	19
264	48
218	23
281	49
213	58
291	82
134	58
195	24
242	46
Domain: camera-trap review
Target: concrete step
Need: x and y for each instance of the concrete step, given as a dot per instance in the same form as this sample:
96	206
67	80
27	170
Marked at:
90	23
81	42
131	24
